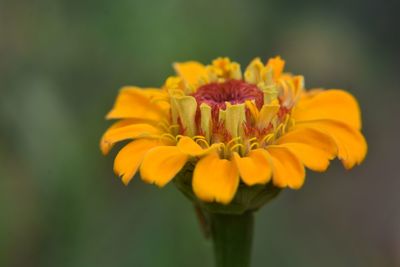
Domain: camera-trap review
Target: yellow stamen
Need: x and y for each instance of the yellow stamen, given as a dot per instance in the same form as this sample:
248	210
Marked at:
252	139
240	150
267	139
233	140
204	142
254	145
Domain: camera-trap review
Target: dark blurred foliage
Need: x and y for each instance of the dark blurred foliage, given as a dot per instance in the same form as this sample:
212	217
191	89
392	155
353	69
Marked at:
61	65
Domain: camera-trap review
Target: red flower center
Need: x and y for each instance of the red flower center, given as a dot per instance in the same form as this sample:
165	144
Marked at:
233	91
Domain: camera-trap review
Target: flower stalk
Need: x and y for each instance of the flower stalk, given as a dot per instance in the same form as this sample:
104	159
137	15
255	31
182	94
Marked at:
232	237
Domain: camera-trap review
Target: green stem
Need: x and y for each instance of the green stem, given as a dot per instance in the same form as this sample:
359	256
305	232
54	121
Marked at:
232	237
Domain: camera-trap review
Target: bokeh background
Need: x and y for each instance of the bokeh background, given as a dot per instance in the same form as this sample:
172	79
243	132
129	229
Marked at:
61	65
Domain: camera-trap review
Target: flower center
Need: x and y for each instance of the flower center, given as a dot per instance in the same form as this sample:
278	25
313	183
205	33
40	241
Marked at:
233	91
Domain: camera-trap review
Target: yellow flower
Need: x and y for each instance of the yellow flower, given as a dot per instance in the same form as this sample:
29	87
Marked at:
255	127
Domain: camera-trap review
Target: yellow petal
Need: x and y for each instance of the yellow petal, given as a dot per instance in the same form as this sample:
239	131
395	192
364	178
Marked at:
224	68
188	146
235	71
267	113
186	108
190	71
331	104
130	157
206	120
314	148
235	117
287	169
161	164
252	108
351	144
105	148
254	168
125	130
215	179
252	73
133	102
277	64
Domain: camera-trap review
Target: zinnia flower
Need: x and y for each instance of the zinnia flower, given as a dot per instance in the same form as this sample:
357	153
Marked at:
253	128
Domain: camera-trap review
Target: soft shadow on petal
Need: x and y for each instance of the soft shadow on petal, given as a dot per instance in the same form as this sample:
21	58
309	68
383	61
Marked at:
215	179
314	148
351	144
287	169
161	164
255	168
188	146
130	157
106	147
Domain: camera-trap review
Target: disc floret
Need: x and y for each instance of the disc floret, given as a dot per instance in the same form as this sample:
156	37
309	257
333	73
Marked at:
241	112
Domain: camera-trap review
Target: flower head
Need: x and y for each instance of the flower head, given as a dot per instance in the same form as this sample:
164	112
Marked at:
234	128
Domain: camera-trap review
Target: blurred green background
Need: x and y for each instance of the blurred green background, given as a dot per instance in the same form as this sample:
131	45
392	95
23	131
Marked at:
61	65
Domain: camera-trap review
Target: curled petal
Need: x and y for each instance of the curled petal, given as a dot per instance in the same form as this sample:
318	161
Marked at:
161	164
130	157
330	104
287	169
314	148
255	168
351	144
215	179
133	102
125	130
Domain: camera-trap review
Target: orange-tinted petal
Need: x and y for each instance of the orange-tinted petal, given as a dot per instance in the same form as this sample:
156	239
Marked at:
215	179
133	102
351	144
190	71
124	130
130	157
188	146
287	169
255	168
330	104
161	164
106	148
277	65
314	148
